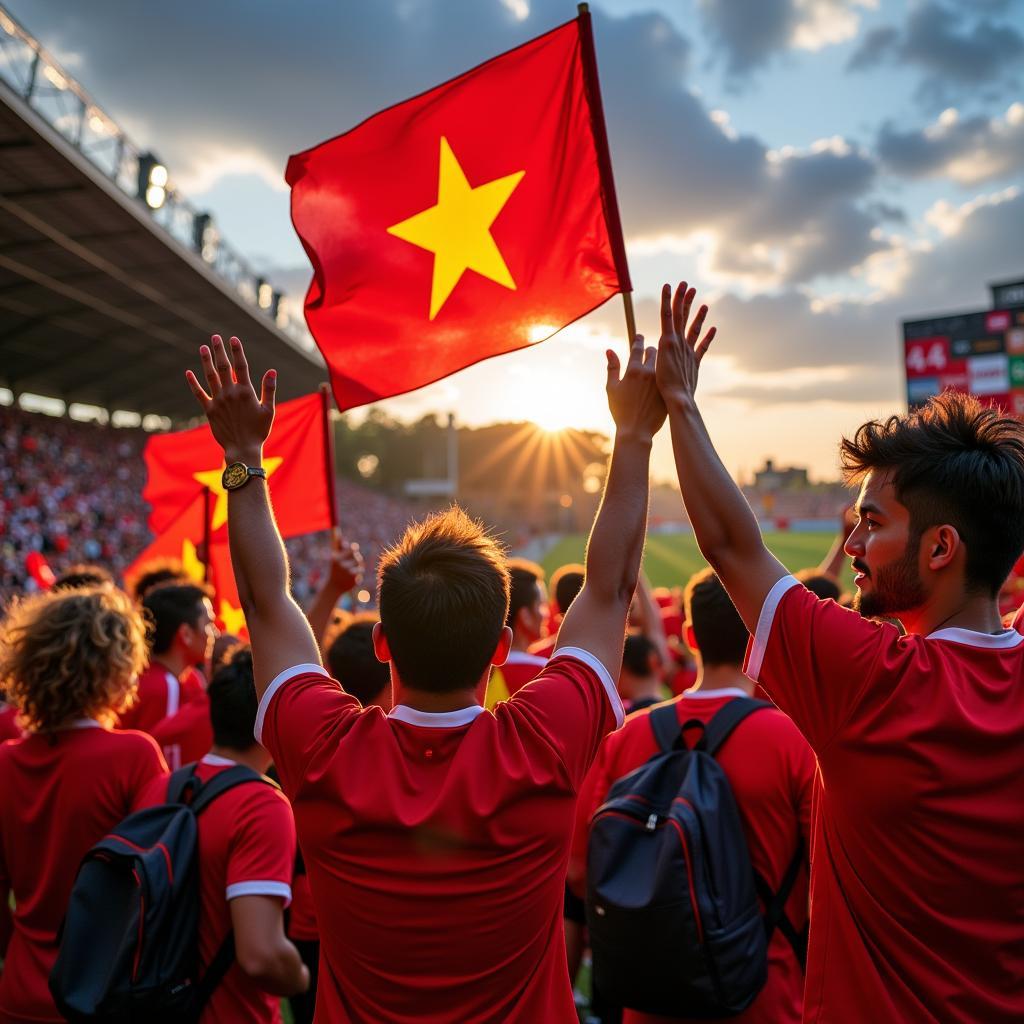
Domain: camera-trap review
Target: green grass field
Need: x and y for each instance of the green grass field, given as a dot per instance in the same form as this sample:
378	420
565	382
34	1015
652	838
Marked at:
671	558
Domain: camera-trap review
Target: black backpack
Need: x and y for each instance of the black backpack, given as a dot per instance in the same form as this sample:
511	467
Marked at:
129	944
675	925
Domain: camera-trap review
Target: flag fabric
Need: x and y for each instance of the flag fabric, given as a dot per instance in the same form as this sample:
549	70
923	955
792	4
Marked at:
227	605
39	569
475	219
182	465
181	540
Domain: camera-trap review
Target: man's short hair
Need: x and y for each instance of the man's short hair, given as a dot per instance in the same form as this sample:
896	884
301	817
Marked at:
443	593
717	627
525	576
157	572
636	654
819	584
83	574
233	704
953	461
566	583
352	661
167	608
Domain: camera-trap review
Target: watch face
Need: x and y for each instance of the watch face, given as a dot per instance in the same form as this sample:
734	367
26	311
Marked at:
234	476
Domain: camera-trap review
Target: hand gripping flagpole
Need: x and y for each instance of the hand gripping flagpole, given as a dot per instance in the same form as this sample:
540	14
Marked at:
609	201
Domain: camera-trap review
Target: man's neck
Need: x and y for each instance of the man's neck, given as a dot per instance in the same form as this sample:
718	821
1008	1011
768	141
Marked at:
434	703
721	677
255	757
641	689
174	661
976	612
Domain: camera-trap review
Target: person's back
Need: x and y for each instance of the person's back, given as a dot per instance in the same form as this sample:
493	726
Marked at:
770	769
436	838
70	779
246	853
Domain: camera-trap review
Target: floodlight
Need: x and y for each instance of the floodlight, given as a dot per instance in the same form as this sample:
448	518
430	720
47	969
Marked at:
152	181
264	294
205	237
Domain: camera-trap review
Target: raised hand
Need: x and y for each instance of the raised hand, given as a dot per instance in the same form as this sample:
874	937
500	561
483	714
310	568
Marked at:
346	566
636	405
681	348
240	420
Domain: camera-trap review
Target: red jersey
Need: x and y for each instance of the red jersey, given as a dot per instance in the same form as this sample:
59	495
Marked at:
160	694
436	844
770	769
60	793
518	670
302	926
246	848
917	887
187	735
9	728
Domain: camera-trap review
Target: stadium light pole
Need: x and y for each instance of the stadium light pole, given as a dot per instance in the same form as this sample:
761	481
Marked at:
152	181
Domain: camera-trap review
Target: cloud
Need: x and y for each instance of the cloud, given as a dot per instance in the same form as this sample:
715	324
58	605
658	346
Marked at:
969	150
750	35
956	49
267	86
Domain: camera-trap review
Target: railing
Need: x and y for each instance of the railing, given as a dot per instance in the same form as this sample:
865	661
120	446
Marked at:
52	93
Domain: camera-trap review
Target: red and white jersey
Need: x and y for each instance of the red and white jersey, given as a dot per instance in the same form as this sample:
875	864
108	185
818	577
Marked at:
436	844
917	886
770	769
519	668
60	793
9	728
187	735
246	848
160	694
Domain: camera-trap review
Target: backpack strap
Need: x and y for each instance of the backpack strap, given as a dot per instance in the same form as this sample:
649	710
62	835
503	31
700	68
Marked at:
665	726
222	782
718	730
775	907
182	784
219	966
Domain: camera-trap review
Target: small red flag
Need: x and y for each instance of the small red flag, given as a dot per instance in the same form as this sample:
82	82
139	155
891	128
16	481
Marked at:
39	569
475	219
183	465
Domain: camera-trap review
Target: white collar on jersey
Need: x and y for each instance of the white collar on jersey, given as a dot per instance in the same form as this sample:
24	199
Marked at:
218	761
436	719
1001	641
725	691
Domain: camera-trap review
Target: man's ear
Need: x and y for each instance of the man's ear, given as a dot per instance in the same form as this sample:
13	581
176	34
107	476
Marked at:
380	644
942	545
690	637
500	655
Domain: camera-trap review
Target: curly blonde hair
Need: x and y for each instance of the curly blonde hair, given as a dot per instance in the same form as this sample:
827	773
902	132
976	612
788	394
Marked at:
71	654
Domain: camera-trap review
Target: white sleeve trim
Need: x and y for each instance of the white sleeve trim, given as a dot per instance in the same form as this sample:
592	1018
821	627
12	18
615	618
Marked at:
260	887
602	673
278	681
764	625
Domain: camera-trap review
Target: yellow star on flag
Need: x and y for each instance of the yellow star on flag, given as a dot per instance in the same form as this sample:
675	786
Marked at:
458	229
211	478
191	562
232	617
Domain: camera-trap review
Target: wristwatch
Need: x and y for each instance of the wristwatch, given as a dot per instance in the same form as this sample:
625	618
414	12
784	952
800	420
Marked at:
238	475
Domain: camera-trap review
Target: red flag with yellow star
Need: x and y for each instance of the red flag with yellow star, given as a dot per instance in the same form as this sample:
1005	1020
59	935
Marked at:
181	540
182	465
477	218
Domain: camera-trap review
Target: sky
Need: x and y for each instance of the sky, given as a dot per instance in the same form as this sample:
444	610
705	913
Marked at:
819	169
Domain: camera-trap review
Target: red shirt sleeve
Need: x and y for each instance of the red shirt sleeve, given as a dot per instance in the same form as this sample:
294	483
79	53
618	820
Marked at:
261	859
303	711
146	765
573	704
817	660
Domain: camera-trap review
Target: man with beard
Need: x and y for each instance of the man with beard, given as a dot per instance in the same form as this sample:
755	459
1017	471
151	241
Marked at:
917	892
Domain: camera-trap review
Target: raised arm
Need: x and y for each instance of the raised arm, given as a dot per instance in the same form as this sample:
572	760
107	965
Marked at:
726	530
596	620
241	422
345	572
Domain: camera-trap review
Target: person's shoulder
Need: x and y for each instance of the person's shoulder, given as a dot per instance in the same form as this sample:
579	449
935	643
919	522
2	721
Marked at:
126	743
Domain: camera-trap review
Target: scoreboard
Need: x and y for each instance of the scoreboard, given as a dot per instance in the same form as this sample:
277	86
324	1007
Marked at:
982	353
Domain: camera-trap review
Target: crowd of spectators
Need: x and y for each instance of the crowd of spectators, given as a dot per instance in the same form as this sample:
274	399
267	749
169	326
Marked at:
72	491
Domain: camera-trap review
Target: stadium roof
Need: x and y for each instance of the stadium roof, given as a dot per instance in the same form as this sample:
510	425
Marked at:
103	300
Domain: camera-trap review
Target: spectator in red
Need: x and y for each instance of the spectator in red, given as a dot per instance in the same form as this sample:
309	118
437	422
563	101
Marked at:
527	613
69	662
640	683
566	583
246	857
917	910
436	838
182	634
770	769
